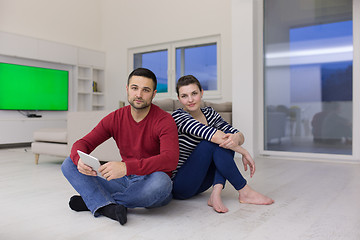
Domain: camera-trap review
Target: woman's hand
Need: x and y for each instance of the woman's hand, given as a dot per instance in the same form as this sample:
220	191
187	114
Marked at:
247	160
113	170
232	140
85	169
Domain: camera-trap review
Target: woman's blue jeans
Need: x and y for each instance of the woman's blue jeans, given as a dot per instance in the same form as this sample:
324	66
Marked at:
149	191
207	165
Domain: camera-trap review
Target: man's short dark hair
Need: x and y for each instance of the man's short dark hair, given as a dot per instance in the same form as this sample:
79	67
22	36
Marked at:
144	72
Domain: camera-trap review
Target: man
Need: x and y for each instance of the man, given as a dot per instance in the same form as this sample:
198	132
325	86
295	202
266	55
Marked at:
147	139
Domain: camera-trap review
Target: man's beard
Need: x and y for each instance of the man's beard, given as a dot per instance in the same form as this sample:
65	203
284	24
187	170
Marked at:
142	106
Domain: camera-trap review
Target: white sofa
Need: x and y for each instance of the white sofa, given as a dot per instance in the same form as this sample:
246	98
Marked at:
224	109
50	141
58	142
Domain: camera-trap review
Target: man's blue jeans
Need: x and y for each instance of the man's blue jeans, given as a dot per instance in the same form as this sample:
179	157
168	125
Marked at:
149	191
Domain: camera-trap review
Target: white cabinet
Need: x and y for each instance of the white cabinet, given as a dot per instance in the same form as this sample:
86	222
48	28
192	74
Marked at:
25	128
90	88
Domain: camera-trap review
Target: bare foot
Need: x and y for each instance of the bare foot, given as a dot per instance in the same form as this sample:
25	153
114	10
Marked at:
215	200
248	195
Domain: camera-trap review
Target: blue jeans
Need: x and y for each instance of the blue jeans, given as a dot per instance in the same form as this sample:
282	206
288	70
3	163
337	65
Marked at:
207	165
149	191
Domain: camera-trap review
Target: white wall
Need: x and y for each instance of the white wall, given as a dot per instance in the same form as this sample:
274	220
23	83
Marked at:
72	22
136	23
114	26
243	84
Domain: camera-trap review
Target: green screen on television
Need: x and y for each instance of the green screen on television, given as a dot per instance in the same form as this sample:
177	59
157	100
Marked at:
33	88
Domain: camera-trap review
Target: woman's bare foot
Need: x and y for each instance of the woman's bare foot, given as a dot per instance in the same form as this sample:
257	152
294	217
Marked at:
215	199
248	195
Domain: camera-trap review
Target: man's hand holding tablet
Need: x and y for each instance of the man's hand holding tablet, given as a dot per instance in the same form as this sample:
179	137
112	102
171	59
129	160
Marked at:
91	162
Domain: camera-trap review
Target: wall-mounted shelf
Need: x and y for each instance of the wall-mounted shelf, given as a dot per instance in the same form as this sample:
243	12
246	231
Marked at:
90	88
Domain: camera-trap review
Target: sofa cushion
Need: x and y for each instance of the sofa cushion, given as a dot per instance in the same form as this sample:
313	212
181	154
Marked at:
227	116
220	107
165	104
55	149
51	135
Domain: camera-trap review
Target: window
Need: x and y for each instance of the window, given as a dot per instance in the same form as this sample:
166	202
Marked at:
172	60
308	81
157	62
199	61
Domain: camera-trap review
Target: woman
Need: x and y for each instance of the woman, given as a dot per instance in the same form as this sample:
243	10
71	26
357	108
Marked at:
207	147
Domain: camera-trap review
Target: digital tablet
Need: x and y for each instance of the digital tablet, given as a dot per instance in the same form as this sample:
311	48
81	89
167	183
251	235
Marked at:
91	161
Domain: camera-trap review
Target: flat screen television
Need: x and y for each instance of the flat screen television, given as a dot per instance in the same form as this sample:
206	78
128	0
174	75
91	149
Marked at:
33	88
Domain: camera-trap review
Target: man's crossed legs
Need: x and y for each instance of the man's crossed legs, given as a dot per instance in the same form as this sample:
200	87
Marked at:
112	198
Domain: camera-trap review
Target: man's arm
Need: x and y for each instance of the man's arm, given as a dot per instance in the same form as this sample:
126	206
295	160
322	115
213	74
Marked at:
90	141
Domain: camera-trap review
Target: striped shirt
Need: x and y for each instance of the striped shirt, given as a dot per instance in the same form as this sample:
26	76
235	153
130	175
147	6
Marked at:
191	132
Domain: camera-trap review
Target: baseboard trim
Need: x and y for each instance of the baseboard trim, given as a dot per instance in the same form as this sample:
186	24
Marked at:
15	145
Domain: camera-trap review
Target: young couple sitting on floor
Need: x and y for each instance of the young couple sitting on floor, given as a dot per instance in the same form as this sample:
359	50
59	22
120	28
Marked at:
163	156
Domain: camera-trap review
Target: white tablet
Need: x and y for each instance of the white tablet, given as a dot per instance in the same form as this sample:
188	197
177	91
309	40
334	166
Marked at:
91	161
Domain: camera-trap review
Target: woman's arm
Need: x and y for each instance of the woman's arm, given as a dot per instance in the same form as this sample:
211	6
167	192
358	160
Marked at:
228	140
246	159
213	133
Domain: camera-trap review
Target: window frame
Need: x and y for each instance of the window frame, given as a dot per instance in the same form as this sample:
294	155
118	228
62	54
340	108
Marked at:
171	73
148	49
259	75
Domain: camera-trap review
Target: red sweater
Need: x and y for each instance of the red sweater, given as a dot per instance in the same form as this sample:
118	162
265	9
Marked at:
148	146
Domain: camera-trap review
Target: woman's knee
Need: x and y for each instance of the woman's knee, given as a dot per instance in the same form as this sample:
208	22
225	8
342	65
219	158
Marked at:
213	147
207	145
225	152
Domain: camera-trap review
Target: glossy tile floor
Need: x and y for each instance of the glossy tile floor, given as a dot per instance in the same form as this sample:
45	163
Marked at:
313	201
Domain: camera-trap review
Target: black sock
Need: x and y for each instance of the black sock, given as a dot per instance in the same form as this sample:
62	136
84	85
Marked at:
76	203
116	212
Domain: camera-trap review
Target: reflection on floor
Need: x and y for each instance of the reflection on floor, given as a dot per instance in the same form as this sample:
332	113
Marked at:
308	145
